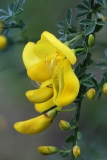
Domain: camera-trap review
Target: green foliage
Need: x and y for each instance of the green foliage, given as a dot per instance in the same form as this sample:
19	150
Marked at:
69	139
10	18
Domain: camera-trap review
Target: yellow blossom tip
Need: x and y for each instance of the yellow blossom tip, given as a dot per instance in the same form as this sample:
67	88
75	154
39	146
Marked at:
34	125
64	125
91	93
3	42
76	151
105	89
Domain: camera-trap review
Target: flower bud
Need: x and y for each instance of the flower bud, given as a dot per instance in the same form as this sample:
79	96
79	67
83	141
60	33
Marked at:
47	150
64	125
91	93
105	89
51	114
3	42
91	40
76	151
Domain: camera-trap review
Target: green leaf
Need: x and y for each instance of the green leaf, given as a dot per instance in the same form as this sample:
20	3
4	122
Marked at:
100	2
3	11
101	23
105	2
69	139
81	14
11	8
86	4
19	11
86	77
61	31
61	24
18	4
81	72
86	22
79	135
93	79
5	17
89	29
63	38
81	7
68	16
64	154
103	80
87	83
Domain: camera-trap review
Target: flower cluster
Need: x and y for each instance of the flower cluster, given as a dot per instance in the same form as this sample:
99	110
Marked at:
48	62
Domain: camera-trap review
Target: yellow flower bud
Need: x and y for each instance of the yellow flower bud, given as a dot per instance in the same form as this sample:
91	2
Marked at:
105	89
91	40
46	150
40	95
64	125
3	42
91	93
76	151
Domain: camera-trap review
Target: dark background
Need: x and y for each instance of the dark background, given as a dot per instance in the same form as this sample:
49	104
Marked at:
40	15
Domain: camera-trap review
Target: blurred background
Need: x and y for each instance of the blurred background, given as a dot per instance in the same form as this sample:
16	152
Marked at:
40	15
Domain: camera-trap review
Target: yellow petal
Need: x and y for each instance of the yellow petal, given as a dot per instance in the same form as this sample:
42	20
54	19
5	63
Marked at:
39	72
29	57
43	48
66	86
60	47
34	125
40	95
41	107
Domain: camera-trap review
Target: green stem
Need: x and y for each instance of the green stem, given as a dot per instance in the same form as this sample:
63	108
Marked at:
67	151
67	110
80	49
77	37
76	129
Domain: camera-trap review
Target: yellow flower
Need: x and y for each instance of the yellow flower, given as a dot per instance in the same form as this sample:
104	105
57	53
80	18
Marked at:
49	60
47	150
36	125
40	59
3	42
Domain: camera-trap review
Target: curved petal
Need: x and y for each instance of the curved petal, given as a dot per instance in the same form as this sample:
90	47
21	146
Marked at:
40	95
28	56
68	86
41	107
34	125
43	48
40	71
61	47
